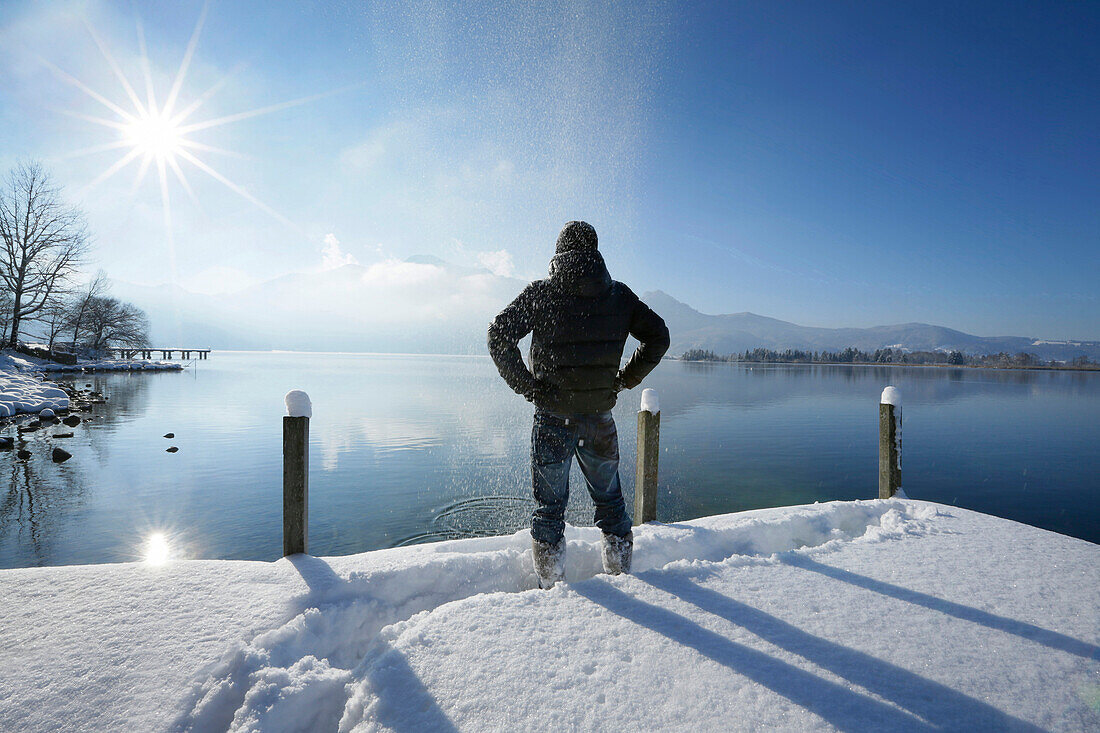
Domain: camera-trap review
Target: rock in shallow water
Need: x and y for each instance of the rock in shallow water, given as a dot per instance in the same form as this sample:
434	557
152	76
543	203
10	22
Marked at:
173	449
23	454
169	435
63	435
6	443
72	421
60	455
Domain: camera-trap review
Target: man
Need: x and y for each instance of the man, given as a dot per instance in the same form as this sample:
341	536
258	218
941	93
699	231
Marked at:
580	318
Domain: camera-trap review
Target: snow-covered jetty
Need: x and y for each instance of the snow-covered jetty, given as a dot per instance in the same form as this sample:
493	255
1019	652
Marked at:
871	615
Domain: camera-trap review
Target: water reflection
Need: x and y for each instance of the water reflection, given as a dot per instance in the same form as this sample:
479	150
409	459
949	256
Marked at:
777	383
411	448
44	501
39	497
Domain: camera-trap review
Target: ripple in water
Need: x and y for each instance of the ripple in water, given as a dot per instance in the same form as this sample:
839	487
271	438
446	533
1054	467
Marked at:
481	516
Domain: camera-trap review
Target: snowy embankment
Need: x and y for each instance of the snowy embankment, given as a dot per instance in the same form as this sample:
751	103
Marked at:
23	388
27	391
872	615
22	362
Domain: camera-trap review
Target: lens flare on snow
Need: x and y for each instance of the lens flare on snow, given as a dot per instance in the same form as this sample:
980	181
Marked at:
157	549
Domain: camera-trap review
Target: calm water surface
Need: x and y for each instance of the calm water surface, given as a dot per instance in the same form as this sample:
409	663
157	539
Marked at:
412	448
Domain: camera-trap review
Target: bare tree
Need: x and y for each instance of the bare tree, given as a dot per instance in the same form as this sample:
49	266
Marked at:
97	287
54	318
110	321
43	240
6	305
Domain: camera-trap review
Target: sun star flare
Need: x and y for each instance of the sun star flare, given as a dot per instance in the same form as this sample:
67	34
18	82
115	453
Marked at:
156	133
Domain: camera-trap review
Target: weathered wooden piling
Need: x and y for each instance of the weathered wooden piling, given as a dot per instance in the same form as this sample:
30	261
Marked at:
889	443
296	473
649	439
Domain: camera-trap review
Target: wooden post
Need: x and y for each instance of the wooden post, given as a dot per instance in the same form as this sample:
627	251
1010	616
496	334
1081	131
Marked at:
649	439
889	443
296	473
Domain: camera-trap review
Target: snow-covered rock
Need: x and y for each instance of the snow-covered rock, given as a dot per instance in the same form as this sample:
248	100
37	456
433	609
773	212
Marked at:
848	615
22	392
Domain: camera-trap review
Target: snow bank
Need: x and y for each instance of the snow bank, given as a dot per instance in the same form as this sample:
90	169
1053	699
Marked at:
848	615
22	388
650	402
21	392
114	365
15	361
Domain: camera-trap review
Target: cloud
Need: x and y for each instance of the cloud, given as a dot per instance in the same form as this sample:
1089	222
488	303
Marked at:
499	262
395	273
333	256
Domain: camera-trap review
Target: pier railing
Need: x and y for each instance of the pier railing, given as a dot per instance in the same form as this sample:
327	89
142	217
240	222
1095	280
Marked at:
296	472
889	443
126	352
649	443
299	410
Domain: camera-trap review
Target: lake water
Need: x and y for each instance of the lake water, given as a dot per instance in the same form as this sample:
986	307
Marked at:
413	448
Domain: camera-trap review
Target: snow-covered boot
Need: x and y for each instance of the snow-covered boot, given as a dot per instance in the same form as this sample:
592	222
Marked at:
549	561
617	553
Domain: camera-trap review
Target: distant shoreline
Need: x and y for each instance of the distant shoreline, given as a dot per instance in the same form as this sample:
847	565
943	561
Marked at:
1036	368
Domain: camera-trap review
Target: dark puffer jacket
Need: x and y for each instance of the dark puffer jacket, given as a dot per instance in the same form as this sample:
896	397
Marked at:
580	318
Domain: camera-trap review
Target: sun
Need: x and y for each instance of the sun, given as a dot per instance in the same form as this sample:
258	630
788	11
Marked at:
156	135
157	550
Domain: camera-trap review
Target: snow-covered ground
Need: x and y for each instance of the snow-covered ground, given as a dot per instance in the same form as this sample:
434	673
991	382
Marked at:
28	392
23	389
874	615
13	360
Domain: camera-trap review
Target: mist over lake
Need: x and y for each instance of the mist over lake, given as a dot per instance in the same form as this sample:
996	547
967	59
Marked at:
410	448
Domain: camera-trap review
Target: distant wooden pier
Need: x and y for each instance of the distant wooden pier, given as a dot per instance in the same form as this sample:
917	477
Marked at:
128	353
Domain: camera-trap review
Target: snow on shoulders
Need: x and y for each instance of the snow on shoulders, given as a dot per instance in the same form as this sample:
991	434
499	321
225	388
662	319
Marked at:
298	404
891	396
650	401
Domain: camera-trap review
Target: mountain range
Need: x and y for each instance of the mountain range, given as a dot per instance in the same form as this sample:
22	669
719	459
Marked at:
426	305
736	332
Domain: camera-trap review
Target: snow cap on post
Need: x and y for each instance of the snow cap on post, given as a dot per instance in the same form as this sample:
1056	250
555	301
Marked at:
891	396
650	403
298	404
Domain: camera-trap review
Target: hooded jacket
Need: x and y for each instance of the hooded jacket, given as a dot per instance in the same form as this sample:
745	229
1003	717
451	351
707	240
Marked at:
579	319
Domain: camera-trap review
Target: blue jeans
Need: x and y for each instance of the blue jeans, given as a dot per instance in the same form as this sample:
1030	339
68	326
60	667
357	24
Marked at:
555	439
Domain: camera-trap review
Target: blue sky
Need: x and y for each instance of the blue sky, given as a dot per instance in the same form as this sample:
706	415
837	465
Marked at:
833	164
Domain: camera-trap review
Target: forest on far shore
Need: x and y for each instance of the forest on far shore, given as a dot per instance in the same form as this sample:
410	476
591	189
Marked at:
852	355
